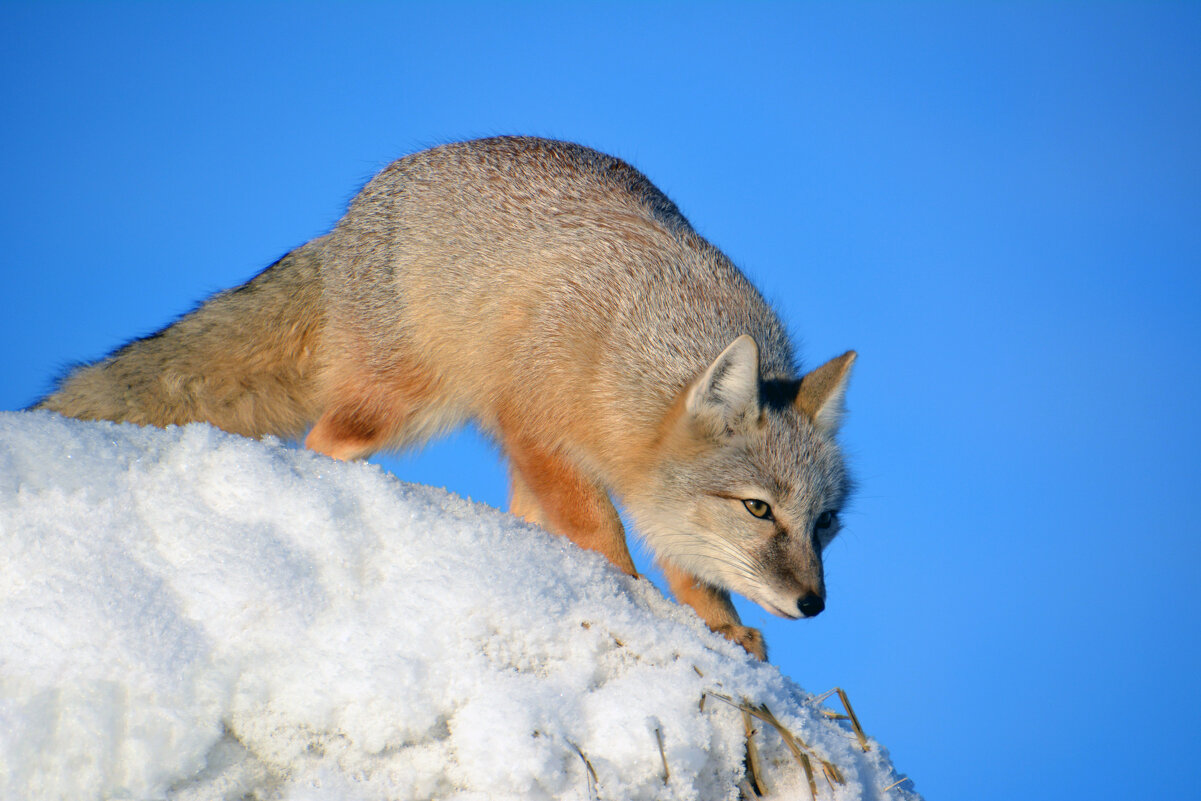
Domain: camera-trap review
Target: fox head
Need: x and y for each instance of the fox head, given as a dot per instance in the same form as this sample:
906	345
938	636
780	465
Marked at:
749	485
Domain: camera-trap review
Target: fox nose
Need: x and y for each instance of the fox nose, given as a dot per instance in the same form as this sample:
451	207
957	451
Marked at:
810	604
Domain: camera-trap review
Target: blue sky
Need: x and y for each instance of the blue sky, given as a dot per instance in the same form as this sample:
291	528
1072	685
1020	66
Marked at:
997	205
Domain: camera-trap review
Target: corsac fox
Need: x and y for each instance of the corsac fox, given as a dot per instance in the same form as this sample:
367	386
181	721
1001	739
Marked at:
555	296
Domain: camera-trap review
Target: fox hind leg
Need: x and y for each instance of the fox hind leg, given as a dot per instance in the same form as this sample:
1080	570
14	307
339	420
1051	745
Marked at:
368	413
348	432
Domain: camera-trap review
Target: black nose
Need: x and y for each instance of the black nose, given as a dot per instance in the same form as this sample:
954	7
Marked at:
810	605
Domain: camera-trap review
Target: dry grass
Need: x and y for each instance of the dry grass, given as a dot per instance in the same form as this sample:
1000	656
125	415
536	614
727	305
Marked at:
754	785
662	755
754	767
592	780
850	715
801	751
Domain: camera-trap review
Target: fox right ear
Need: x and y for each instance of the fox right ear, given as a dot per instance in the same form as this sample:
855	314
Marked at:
822	392
728	391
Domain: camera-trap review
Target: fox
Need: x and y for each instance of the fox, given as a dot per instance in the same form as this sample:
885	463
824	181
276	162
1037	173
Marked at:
555	297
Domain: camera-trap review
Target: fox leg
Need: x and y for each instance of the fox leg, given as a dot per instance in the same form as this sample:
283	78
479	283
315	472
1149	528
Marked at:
715	608
522	502
550	491
369	412
348	432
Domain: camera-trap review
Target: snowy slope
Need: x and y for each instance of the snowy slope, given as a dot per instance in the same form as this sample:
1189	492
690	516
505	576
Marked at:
192	615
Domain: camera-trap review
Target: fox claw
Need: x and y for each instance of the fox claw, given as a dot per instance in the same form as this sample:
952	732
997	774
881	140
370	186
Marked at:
747	637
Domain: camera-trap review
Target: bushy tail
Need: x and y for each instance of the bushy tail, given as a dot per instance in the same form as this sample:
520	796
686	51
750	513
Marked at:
246	361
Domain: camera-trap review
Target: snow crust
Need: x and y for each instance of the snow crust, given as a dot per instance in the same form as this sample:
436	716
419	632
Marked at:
187	614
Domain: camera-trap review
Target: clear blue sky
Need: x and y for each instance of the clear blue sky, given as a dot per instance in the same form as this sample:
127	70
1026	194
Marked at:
997	205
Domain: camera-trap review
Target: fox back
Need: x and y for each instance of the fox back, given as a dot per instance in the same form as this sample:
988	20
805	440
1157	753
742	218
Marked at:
554	295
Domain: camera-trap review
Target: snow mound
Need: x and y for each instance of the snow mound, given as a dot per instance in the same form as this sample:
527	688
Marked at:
187	614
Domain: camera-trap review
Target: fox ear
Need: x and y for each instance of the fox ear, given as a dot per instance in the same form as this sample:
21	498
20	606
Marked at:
728	390
822	390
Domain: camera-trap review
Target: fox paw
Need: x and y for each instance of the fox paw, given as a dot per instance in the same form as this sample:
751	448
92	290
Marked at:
747	637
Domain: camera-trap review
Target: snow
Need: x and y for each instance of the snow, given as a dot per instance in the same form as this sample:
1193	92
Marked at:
187	614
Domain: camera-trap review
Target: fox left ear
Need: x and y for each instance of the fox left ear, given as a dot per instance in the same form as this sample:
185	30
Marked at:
822	390
728	391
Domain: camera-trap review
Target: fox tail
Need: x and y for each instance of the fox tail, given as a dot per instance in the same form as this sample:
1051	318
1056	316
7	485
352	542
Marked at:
246	361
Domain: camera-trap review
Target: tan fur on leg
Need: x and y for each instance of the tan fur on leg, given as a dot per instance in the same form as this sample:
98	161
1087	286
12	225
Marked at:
570	503
344	434
715	608
522	502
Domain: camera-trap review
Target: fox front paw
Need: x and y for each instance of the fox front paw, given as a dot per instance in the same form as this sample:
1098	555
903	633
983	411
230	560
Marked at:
747	637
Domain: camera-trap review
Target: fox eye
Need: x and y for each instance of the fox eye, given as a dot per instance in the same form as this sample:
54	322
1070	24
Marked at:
825	521
758	508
